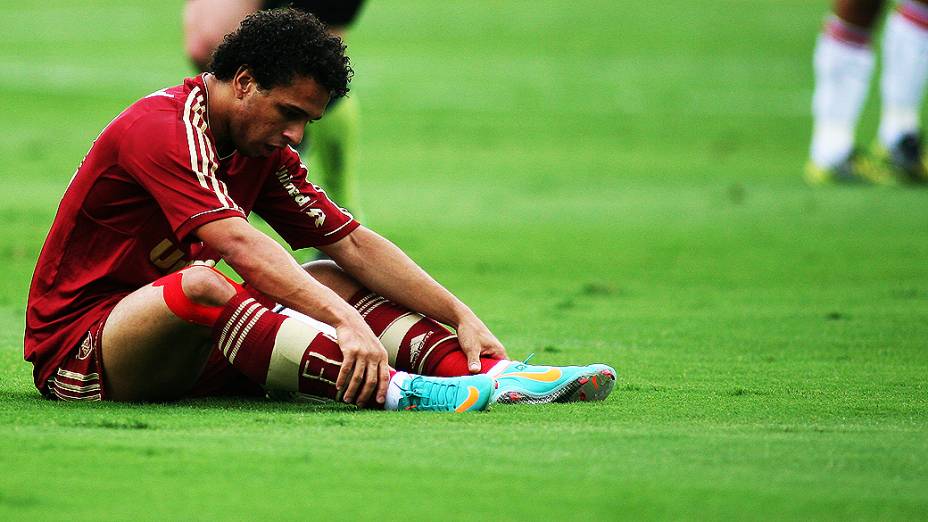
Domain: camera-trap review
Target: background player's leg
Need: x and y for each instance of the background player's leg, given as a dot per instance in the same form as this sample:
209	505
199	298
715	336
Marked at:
844	63
207	21
859	13
333	146
905	72
333	143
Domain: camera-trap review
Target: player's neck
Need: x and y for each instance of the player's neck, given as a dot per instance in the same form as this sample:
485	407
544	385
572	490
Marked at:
217	111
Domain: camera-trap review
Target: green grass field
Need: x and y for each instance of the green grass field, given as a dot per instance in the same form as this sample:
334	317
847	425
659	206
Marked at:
610	182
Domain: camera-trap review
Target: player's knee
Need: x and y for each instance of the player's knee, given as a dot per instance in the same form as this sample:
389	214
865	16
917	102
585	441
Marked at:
204	285
200	37
199	50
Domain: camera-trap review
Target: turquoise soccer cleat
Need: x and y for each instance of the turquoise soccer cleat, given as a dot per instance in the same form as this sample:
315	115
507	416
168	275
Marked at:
457	394
526	383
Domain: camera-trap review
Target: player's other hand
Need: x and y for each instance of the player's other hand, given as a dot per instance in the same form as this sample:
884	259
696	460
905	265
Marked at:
365	372
476	340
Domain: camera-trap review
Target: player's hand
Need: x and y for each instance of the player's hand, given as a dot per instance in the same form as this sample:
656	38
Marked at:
476	340
365	364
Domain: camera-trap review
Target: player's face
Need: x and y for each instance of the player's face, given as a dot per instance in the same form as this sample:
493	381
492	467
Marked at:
275	118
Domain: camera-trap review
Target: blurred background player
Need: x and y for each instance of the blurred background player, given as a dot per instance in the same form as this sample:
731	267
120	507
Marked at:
844	62
331	143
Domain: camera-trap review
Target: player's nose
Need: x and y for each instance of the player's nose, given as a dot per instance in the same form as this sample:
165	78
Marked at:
294	134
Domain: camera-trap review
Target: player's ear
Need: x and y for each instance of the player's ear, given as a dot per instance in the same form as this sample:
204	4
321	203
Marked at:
243	82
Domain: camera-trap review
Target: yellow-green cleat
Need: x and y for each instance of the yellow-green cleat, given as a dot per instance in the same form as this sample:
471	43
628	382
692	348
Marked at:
857	169
904	160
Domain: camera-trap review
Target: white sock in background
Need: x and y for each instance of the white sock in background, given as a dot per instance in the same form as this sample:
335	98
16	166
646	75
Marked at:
844	65
905	71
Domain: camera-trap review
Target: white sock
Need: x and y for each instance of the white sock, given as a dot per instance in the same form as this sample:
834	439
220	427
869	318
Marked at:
842	79
905	71
394	390
498	368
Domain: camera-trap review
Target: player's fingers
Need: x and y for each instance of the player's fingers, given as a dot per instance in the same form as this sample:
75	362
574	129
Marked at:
497	351
473	359
345	372
383	382
370	384
354	383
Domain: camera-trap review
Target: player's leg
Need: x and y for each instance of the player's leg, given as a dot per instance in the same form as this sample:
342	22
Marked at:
414	342
333	144
844	63
149	353
422	345
157	341
905	72
207	21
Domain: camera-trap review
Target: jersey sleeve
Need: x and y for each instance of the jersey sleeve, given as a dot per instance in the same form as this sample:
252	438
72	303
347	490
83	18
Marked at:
176	164
299	211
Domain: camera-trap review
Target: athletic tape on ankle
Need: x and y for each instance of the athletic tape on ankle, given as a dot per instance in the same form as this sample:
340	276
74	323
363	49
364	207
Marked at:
181	305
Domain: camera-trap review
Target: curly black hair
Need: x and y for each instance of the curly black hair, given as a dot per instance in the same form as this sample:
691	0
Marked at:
277	45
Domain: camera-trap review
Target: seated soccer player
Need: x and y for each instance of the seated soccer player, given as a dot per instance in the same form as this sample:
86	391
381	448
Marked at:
125	303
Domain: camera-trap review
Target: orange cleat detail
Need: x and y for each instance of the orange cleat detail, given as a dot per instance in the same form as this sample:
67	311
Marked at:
550	375
472	395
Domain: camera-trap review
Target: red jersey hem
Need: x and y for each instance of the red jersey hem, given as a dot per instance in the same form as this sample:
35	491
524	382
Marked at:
338	234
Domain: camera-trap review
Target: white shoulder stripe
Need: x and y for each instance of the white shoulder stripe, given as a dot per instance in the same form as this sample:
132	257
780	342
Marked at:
188	125
202	157
208	166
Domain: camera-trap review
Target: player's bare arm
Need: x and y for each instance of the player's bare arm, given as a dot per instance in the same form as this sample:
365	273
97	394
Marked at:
267	267
383	267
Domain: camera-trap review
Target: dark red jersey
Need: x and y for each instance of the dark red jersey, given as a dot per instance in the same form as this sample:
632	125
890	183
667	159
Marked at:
151	178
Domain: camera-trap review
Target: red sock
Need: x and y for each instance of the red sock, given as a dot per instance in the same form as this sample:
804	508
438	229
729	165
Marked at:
454	364
847	33
914	12
319	368
415	343
246	333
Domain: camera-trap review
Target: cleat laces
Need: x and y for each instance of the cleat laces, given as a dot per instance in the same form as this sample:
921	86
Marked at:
427	395
520	366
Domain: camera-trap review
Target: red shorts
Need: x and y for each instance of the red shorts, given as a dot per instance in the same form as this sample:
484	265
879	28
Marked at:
81	375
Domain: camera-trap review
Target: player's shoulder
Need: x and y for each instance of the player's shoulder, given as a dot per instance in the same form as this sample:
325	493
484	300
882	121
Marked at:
164	114
168	104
